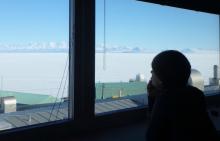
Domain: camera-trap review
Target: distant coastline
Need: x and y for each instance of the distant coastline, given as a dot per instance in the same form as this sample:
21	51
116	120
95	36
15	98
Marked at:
63	47
108	50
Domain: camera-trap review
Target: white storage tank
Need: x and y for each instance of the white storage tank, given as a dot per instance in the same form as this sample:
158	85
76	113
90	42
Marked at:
196	79
140	77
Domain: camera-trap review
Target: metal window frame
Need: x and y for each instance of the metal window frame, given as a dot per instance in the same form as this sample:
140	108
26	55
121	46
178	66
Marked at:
71	58
84	78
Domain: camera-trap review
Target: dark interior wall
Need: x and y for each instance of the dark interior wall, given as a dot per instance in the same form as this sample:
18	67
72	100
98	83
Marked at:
131	132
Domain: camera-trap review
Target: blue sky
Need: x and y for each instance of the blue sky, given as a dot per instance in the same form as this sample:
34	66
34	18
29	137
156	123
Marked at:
23	21
128	23
138	24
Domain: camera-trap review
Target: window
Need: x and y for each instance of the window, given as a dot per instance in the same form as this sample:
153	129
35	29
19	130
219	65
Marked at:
34	60
130	33
30	39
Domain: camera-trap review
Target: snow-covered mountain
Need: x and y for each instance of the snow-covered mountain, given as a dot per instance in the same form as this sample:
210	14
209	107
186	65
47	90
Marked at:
125	49
64	47
35	47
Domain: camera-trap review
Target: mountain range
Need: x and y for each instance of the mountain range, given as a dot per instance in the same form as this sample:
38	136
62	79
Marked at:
64	47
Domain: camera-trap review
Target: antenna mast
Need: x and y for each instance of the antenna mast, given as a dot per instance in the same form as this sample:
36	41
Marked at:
104	39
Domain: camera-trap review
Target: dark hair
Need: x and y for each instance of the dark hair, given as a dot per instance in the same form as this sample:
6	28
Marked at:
172	68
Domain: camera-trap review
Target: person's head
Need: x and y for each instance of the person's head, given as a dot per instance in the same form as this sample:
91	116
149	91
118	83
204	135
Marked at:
170	69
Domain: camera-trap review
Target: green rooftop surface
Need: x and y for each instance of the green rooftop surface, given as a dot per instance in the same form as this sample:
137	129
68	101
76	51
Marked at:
103	91
29	98
119	89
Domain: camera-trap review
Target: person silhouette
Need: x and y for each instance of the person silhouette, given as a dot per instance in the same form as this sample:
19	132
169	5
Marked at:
178	111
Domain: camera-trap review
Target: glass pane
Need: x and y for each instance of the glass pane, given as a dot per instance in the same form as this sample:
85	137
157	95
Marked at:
130	33
34	61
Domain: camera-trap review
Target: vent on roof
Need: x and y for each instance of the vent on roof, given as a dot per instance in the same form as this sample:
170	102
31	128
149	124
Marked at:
8	104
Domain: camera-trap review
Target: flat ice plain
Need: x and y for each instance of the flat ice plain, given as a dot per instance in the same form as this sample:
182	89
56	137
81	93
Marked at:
123	66
42	73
